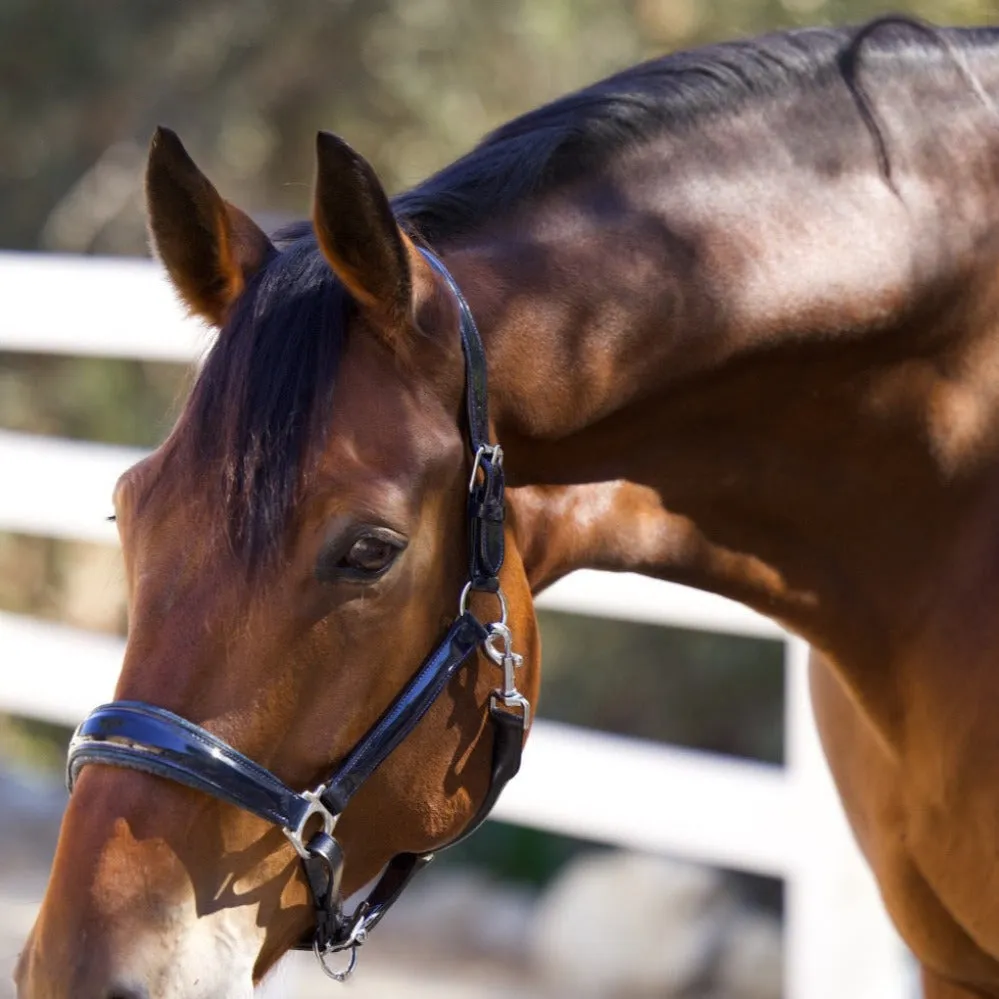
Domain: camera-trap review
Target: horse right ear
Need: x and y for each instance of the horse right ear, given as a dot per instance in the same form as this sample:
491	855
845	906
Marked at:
358	234
209	247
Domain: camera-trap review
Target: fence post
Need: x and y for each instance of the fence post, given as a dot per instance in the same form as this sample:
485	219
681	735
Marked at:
838	941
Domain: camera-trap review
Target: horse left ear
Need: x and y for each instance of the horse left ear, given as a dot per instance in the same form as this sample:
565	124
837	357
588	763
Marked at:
358	233
209	247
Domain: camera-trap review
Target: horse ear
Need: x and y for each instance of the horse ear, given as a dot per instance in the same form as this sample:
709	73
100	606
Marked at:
358	234
209	247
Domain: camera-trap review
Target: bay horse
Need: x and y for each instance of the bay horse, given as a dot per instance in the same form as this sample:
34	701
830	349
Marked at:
756	283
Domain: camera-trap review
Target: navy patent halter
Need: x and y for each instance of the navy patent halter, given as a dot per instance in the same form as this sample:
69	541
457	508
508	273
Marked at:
145	737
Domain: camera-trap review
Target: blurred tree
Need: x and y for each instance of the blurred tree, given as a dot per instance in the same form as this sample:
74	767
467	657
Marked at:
411	83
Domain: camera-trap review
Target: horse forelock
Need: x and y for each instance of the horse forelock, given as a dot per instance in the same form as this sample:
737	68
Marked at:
260	404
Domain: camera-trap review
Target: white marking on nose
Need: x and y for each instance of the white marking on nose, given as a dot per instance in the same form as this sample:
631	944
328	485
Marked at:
210	957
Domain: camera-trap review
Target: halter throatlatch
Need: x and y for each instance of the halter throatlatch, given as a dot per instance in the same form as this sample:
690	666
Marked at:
144	737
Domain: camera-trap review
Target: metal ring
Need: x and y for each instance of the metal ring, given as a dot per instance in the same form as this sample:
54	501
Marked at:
466	592
315	807
337	976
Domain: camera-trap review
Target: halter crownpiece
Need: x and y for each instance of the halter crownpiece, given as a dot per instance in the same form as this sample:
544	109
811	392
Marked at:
144	737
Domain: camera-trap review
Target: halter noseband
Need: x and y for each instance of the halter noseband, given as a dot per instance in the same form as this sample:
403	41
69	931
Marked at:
144	737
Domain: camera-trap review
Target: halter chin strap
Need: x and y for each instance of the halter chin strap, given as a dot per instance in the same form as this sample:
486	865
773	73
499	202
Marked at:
144	737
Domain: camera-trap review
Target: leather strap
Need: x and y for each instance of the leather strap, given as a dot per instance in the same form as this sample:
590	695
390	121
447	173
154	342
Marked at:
405	712
476	380
508	743
401	869
486	543
324	872
144	737
151	739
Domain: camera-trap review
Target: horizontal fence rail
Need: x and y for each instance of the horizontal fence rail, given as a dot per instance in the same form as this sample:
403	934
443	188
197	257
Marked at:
94	307
779	821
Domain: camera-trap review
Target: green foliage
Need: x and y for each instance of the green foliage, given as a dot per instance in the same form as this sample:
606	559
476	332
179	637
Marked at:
411	83
515	853
114	401
719	693
34	743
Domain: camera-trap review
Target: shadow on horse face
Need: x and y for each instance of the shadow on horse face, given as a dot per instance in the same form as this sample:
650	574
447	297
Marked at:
287	644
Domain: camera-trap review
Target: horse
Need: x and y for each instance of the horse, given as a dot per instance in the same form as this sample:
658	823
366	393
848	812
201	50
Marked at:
737	308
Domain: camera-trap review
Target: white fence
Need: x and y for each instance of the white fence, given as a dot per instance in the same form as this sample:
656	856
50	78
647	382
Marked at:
777	821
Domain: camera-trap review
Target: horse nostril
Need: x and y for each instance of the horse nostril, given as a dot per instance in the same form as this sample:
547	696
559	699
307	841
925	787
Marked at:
127	993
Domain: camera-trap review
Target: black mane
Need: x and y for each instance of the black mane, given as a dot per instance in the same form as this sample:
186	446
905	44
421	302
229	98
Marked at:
263	395
577	134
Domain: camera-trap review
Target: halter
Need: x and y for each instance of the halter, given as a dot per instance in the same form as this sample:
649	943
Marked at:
143	737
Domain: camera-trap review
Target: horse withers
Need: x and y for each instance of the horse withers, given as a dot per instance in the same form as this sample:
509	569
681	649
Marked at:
755	282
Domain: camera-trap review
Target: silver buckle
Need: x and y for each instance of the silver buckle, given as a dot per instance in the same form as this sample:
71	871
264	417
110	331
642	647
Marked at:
316	807
491	451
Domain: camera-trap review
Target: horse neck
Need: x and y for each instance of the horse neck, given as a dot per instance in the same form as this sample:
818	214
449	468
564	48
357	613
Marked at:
789	351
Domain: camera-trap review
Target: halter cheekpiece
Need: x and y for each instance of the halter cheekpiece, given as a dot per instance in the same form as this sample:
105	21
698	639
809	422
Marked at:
144	737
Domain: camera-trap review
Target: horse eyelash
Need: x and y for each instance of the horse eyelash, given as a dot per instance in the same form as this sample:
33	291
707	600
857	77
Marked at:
111	518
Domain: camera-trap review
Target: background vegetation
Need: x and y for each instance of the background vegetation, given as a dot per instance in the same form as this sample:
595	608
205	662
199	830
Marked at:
410	83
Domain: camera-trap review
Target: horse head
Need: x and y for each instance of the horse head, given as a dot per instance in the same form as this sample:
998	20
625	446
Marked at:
293	552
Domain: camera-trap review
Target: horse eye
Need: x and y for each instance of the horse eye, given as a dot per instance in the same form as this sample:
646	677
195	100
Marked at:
370	554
